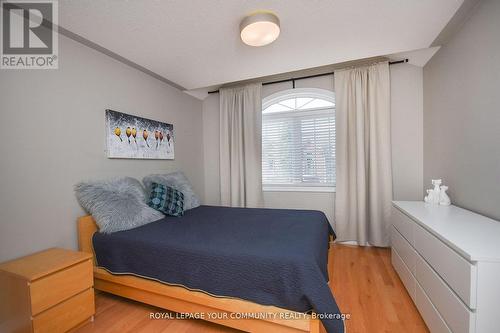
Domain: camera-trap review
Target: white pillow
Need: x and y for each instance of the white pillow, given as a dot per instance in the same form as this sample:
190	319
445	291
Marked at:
116	204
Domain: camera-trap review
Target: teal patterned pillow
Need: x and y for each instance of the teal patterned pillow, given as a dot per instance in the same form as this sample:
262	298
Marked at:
166	200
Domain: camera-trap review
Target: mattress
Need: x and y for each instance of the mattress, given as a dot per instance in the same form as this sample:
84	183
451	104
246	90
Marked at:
273	257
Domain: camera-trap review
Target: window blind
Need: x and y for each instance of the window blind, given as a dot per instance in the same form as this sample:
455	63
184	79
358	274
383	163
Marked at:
298	147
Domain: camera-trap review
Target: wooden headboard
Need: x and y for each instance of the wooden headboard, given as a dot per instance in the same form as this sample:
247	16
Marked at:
86	228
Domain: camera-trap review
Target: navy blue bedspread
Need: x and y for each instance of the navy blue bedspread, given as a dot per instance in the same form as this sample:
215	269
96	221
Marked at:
269	256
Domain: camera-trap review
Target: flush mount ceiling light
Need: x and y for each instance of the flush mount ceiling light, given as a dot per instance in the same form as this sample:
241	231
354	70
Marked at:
260	29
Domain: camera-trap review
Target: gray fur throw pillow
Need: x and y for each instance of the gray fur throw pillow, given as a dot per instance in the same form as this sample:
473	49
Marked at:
177	181
116	204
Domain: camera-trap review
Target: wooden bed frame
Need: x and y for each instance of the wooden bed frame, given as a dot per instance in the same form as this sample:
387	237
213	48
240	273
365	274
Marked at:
182	300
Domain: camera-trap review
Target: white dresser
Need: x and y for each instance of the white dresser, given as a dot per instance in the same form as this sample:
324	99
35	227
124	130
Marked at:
449	261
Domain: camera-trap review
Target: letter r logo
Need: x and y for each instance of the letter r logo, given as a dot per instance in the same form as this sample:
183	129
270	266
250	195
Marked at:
27	27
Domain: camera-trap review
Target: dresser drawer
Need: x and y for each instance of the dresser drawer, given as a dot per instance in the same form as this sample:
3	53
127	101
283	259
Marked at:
52	289
429	313
403	224
404	273
454	312
457	272
66	315
404	249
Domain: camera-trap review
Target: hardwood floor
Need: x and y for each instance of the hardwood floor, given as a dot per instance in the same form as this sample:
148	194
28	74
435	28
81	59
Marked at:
364	284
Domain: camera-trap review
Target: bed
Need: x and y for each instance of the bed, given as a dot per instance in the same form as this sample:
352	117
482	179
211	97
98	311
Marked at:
265	267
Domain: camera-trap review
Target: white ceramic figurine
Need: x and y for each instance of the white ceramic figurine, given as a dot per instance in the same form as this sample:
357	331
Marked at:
444	199
438	196
429	198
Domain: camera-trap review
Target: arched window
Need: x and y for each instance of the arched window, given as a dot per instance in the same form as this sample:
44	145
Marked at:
298	140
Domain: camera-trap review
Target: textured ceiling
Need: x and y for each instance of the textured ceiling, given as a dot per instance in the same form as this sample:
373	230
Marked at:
195	43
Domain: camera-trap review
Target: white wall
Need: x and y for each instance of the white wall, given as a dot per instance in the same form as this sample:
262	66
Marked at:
462	113
52	136
406	104
407	131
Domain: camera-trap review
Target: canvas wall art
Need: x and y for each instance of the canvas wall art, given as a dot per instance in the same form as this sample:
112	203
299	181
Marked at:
130	136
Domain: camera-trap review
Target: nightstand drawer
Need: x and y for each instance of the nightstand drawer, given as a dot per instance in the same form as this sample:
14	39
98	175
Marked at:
66	315
59	286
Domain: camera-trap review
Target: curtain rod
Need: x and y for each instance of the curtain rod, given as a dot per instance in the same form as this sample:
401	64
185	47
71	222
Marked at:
309	76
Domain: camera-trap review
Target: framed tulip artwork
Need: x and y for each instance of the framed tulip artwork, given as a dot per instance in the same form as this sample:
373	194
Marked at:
130	136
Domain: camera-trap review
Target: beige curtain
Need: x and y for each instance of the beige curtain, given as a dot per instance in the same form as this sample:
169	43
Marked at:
240	146
363	155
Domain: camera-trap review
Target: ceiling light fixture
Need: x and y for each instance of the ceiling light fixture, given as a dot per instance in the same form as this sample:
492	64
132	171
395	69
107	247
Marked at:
259	29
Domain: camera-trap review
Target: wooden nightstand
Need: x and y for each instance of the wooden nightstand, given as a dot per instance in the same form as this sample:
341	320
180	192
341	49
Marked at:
49	291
